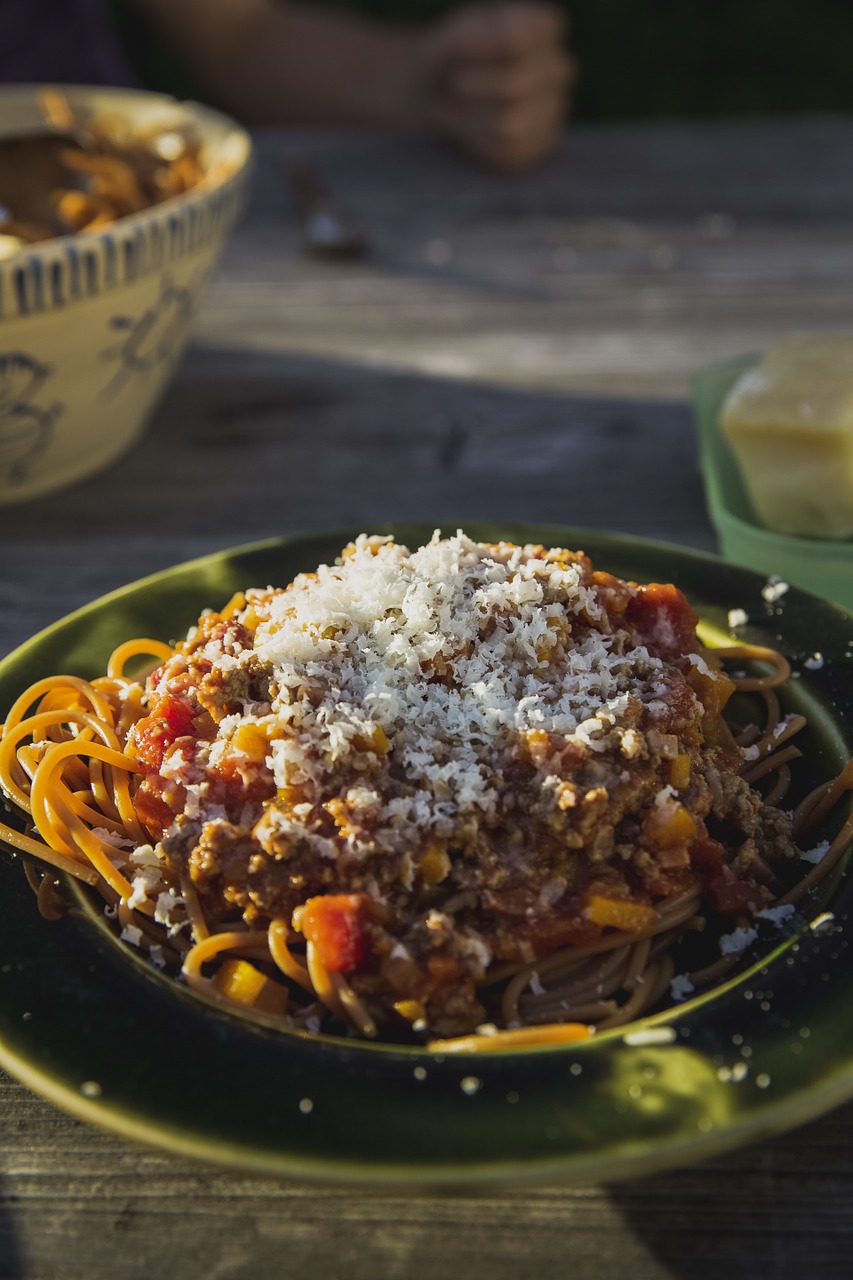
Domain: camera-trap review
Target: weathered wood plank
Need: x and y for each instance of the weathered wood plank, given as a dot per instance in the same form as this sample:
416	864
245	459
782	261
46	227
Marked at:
266	444
634	257
73	1201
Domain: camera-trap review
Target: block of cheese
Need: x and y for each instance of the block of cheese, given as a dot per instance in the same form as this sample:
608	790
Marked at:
789	423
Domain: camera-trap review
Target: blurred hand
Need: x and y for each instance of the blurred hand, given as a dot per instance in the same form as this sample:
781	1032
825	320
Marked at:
497	81
494	77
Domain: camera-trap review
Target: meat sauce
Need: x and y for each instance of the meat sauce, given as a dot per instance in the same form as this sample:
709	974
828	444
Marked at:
580	835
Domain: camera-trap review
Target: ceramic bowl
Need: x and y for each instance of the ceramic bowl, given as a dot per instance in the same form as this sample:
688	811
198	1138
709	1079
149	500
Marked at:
819	565
92	325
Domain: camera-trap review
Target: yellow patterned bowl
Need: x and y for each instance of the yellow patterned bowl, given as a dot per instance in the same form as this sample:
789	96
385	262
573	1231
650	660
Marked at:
92	325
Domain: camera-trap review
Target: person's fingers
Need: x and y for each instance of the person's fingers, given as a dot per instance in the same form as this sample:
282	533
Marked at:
520	29
524	137
498	31
500	80
503	138
511	83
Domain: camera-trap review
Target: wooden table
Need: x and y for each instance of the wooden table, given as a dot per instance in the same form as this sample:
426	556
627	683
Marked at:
504	336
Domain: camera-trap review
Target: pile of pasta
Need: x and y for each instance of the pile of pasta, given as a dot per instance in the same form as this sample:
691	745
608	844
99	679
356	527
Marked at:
64	764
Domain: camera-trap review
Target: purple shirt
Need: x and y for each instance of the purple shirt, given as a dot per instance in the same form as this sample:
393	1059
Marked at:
60	42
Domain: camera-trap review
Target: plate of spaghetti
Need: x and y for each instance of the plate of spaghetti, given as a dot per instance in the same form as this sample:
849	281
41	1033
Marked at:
438	855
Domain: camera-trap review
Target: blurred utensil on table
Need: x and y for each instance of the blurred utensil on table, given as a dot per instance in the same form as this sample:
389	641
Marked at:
329	230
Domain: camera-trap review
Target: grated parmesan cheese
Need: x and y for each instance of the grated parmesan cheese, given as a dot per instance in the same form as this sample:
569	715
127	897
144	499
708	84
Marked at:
816	854
776	915
359	648
738	940
774	589
681	987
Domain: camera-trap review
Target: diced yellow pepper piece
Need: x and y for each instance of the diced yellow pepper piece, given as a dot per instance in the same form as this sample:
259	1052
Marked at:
679	772
535	745
253	741
234	605
630	917
240	981
434	863
545	652
410	1011
713	689
670	824
376	741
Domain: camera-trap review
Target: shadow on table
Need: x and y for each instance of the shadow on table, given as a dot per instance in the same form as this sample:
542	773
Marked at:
11	1263
282	442
248	445
779	1210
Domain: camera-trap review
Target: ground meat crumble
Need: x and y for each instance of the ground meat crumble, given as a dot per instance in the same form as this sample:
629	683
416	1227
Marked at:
464	746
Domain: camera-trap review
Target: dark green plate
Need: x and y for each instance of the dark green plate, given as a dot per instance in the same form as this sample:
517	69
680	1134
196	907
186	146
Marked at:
112	1041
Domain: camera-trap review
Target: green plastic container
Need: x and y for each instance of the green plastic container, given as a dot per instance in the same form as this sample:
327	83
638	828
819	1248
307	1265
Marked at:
819	565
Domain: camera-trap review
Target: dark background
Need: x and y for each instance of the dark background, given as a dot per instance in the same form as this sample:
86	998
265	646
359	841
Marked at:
658	59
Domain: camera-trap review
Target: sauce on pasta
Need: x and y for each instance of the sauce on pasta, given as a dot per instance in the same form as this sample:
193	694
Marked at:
474	794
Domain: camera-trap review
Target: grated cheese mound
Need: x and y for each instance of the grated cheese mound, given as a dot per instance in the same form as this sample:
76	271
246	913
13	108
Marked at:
446	651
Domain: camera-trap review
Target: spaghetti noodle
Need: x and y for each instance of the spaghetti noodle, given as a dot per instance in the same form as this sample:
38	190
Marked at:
482	795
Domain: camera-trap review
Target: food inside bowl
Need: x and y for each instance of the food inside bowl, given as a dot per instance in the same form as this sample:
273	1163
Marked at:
473	794
789	422
83	172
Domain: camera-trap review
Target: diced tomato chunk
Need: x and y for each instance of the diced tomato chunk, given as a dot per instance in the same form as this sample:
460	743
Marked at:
706	854
151	809
663	620
176	714
335	924
730	896
231	787
153	735
149	742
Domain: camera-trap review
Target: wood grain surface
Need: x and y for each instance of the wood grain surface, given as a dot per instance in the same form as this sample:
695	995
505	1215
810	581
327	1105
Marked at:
511	347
